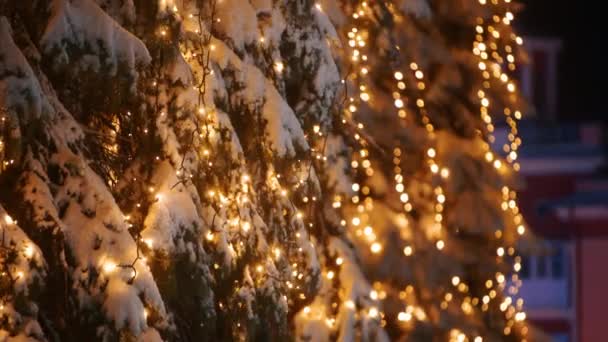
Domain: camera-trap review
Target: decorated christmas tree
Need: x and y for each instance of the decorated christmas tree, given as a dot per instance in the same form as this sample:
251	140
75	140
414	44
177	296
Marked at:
258	170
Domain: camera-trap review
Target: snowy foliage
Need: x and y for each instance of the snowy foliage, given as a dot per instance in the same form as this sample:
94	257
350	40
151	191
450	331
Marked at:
215	170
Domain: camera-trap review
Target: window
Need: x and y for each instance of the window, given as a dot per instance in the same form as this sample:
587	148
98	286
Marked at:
525	267
541	266
550	265
557	263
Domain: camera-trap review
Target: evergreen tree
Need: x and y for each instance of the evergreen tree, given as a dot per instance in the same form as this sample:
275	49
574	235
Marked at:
256	170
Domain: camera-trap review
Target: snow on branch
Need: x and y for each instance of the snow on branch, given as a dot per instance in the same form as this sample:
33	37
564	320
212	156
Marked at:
81	32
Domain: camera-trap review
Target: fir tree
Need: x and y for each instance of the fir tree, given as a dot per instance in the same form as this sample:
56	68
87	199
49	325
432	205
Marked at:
256	170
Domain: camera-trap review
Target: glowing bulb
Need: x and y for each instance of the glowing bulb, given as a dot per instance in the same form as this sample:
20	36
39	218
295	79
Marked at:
339	261
330	275
29	251
373	312
398	76
209	236
407	250
8	219
376	248
148	242
404	316
440	244
109	267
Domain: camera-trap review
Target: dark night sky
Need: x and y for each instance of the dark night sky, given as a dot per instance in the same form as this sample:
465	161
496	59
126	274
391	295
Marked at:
583	63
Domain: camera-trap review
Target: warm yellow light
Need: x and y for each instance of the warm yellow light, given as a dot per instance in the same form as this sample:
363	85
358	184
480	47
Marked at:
404	316
109	267
407	250
148	242
330	275
29	251
8	219
500	278
440	244
209	236
455	280
376	248
339	261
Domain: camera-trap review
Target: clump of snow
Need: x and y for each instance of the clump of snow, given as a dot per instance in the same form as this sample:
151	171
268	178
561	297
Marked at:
174	210
239	24
76	24
19	89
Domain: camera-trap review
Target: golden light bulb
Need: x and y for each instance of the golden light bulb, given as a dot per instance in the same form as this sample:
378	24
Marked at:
440	244
109	267
376	247
8	220
29	251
